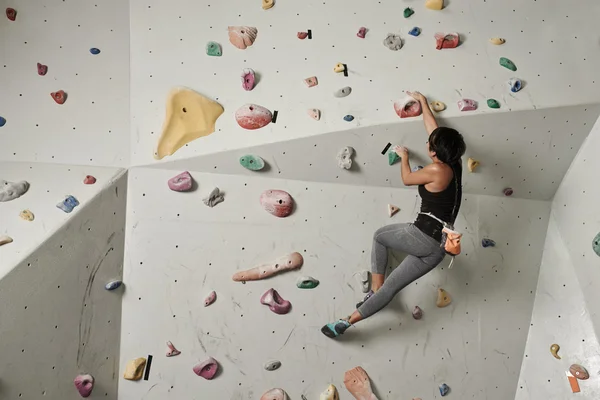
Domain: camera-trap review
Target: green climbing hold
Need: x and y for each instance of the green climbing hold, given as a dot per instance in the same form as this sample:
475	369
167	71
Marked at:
506	63
251	162
213	49
307	282
493	103
596	244
408	12
393	157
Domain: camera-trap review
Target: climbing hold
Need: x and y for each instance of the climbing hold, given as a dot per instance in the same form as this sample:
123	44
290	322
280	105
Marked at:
596	244
172	352
343	92
417	168
275	394
211	298
444	389
4	239
12	190
135	369
467	105
392	210
362	32
277	202
487	243
434	4
408	12
506	63
393	157
344	157
207	369
181	183
307	282
339	67
416	31
42	69
515	85
68	204
26	215
554	350
579	372
302	35
408	107
472	164
11	14
443	298
314	113
2	121
276	303
393	42
89	180
437	106
59	97
252	162
252	116
312	81
493	103
272	365
112	285
248	79
417	313
348	118
331	393
242	36
446	40
266	4
285	263
358	384
364	278
215	197
508	192
497	41
84	384
214	49
94	51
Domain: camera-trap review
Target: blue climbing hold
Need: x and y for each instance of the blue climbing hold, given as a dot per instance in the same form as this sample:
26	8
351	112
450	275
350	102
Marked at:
2	122
488	243
348	118
418	167
68	204
444	389
94	51
515	85
112	285
416	31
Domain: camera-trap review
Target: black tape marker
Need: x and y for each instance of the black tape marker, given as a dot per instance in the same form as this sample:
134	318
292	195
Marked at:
386	148
274	119
148	365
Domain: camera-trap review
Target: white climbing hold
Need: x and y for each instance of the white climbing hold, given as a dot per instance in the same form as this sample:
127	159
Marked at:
12	190
214	198
392	209
314	113
344	157
272	365
364	279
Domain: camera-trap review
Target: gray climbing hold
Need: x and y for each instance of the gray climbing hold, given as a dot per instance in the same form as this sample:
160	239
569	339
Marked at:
596	244
487	243
214	198
272	365
364	279
12	190
68	204
393	42
344	157
343	92
112	285
252	162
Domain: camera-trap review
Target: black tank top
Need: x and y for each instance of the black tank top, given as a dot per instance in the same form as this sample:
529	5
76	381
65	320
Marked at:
444	205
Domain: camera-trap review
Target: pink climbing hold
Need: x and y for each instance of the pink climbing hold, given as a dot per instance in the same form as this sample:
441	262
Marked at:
467	105
212	297
312	81
275	302
302	35
89	180
59	97
362	32
172	352
409	107
277	202
42	69
446	40
208	369
11	13
248	79
242	36
84	384
252	116
181	183
508	192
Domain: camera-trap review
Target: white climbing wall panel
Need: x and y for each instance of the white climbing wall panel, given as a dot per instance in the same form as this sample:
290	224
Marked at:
92	126
178	250
552	44
529	151
561	316
57	319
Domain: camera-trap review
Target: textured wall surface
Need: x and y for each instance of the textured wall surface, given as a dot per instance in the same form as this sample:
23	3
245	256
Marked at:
92	126
178	250
57	319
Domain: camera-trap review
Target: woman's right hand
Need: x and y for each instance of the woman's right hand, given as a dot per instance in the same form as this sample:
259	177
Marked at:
418	96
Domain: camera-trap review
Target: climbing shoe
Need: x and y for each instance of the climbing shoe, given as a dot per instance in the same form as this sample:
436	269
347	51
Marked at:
335	329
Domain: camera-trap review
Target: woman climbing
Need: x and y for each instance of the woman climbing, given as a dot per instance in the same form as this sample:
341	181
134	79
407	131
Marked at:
440	188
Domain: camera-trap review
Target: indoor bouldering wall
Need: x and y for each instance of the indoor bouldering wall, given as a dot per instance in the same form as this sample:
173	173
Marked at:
178	250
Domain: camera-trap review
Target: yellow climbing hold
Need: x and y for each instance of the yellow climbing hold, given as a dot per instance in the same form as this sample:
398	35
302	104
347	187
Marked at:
135	369
434	4
443	298
497	41
472	164
266	4
26	215
189	116
437	106
330	393
554	350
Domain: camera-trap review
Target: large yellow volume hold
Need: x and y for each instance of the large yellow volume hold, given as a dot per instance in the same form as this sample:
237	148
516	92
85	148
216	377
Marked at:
434	4
135	369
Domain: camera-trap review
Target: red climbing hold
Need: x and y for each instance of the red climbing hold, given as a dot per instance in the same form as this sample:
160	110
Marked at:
508	192
42	69
446	40
89	180
362	32
409	107
302	35
252	116
60	97
11	13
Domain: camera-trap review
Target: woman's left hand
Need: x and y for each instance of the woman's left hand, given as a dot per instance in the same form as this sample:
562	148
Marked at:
401	151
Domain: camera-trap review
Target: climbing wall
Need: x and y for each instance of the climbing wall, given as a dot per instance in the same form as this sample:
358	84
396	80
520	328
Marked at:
58	321
178	250
92	126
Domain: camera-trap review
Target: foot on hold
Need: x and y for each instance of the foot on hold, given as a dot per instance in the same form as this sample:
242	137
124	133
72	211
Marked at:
314	113
434	4
181	183
344	157
367	297
343	92
275	394
172	352
207	369
393	157
331	393
215	197
134	371
515	84
285	263
416	31
472	164
497	41
335	329
408	12
242	36
12	190
112	285
68	204
408	107
312	81
59	97
252	116
362	32
277	202
393	42
437	106
493	103
4	239
444	389
11	14
84	384
276	303
211	298
392	210
467	105
506	63
579	372
248	79
42	69
27	215
554	350
307	282
417	313
487	243
252	162
272	365
446	40
213	49
443	298
357	382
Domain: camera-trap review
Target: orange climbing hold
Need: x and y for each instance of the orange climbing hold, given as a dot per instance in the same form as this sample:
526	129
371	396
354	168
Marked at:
59	97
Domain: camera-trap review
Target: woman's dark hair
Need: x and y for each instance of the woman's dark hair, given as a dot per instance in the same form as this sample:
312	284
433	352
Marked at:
448	144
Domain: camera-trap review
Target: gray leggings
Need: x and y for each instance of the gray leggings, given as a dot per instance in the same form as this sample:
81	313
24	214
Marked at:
424	254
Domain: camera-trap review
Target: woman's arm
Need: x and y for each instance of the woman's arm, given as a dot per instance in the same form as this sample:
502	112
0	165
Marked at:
421	177
428	118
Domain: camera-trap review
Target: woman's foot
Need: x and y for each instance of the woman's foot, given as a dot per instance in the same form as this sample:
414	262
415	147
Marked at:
368	295
334	329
